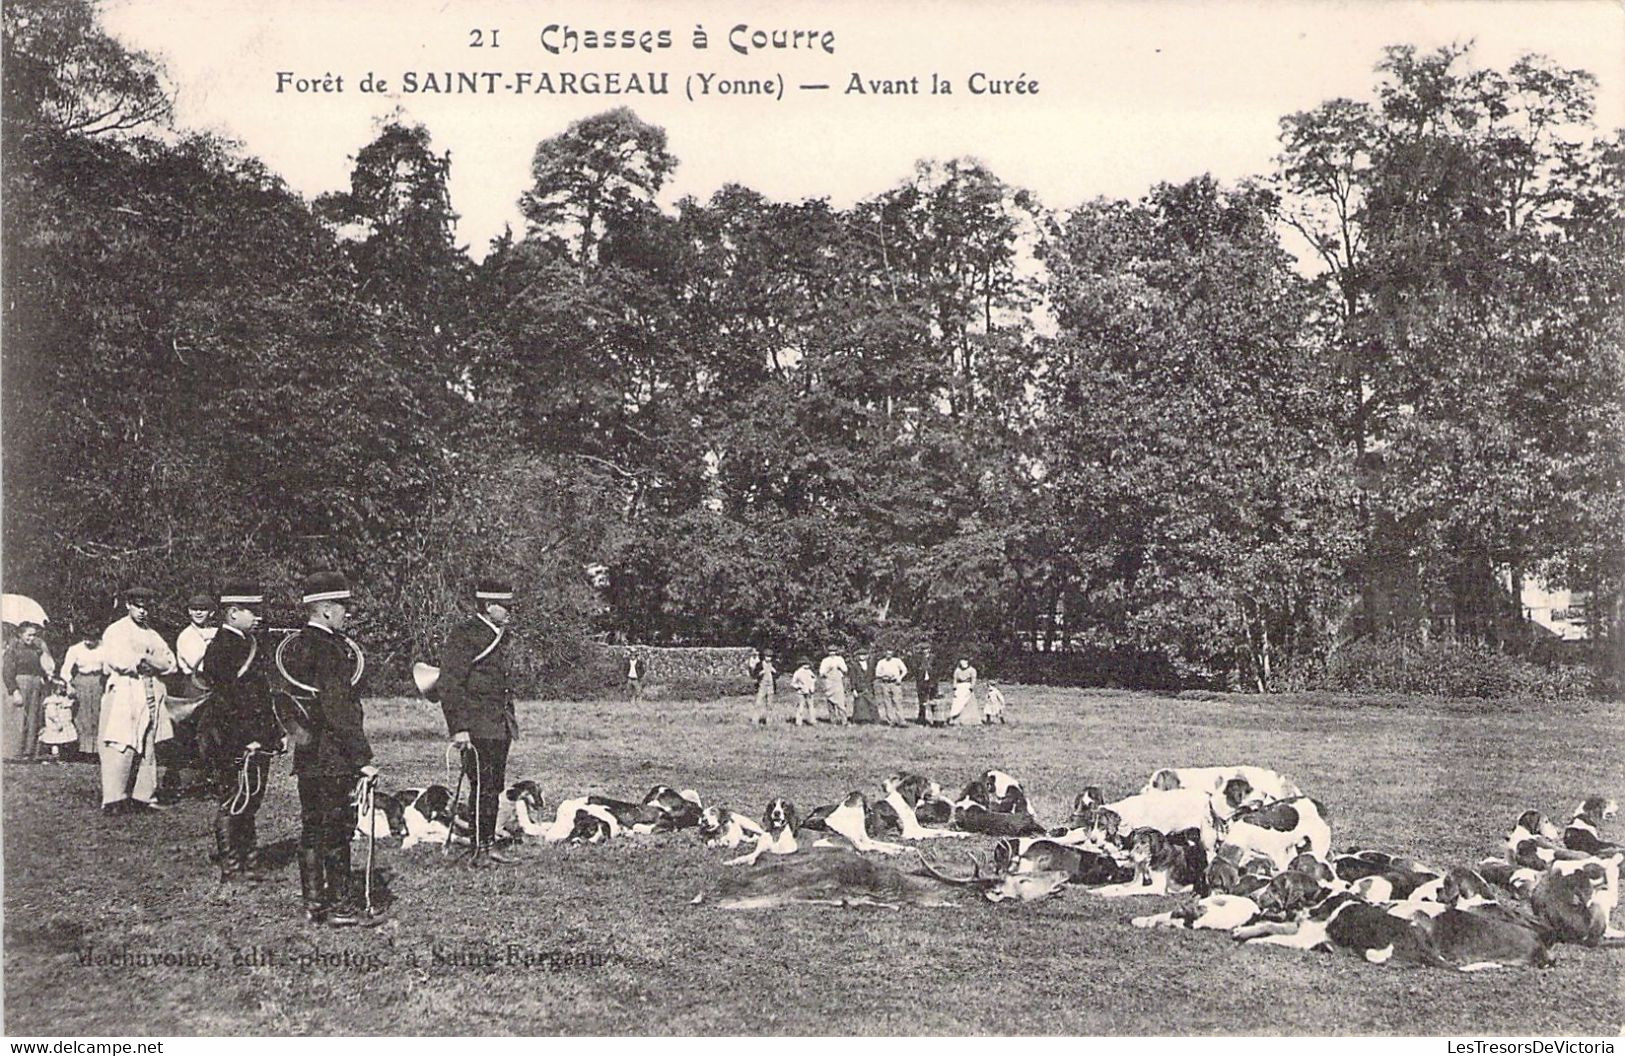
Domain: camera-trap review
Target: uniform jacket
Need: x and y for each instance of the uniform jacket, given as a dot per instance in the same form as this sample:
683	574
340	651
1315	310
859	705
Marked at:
477	697
925	680
338	747
239	711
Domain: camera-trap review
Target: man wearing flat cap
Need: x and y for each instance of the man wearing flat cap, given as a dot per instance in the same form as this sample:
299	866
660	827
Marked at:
134	716
476	693
194	639
237	731
323	667
178	757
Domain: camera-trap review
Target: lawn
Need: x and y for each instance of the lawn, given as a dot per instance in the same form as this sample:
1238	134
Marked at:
595	940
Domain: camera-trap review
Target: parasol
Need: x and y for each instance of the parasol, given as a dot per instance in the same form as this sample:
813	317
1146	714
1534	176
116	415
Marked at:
18	608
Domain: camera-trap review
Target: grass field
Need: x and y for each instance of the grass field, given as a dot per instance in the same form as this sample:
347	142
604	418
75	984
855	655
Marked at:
613	945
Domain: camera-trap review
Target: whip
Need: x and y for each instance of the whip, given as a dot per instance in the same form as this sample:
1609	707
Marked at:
456	798
250	781
364	803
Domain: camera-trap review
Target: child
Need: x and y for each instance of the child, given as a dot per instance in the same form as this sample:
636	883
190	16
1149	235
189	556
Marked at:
993	710
59	728
806	684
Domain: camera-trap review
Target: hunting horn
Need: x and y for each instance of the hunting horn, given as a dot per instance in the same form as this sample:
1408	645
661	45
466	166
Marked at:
426	677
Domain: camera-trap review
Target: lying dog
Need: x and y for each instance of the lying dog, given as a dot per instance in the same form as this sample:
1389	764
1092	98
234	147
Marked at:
1281	830
721	827
998	792
1535	843
908	823
1584	832
1474	940
1172	811
1288	893
914	789
851	820
1225	877
576	820
1163	864
1218	912
387	818
780	821
1574	902
682	809
1080	864
1344	921
973	817
425	815
1267	783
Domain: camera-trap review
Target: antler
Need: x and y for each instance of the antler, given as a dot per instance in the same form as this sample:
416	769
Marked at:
926	863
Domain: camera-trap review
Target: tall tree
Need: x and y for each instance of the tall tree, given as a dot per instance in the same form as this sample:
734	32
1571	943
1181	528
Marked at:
602	171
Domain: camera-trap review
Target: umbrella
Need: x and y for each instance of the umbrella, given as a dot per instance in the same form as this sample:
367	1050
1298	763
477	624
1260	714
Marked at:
17	608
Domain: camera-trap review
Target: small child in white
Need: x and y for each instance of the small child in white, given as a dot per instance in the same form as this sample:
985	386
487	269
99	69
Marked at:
993	707
806	684
59	728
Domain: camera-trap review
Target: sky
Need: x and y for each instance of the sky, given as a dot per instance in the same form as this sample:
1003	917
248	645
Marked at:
1128	94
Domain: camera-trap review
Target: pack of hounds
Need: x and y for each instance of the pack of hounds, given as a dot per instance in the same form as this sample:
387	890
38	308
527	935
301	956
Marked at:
1241	848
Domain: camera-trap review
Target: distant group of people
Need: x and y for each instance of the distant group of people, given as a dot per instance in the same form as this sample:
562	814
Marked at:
870	690
110	700
118	695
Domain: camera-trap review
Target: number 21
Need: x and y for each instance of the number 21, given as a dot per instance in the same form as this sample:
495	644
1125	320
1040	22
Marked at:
476	38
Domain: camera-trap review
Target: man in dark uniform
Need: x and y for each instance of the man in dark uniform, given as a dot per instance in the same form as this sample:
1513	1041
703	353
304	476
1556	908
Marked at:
925	687
330	754
477	697
863	689
237	731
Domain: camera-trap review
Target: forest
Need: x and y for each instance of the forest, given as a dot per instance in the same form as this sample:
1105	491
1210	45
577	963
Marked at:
1224	435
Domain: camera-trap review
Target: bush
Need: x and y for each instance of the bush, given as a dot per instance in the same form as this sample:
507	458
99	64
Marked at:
598	672
1445	668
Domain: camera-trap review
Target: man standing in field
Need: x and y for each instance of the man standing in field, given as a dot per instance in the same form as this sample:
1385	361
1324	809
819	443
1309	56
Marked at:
833	672
806	684
476	693
330	751
237	731
766	674
636	668
135	716
863	689
925	686
194	639
179	754
889	675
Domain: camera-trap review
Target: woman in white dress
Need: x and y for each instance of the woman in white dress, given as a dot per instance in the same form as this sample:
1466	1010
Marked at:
964	689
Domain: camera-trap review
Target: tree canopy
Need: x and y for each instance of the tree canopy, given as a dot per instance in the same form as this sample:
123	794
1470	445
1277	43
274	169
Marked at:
1143	431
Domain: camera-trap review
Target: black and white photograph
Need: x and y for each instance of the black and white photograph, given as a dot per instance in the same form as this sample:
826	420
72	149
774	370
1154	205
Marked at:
811	518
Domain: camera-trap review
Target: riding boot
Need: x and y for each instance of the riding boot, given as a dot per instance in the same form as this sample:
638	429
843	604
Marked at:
224	852
348	909
242	848
312	888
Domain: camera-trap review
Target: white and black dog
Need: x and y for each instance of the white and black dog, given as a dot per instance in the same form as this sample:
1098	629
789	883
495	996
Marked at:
425	815
779	821
721	827
1584	832
387	818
